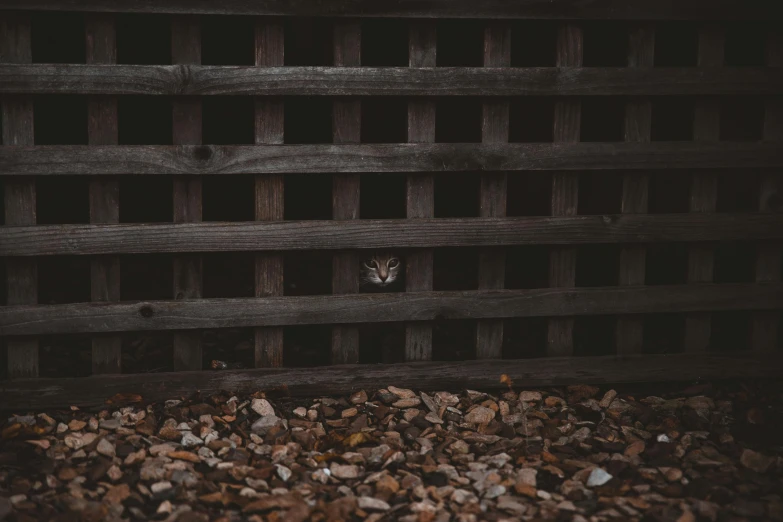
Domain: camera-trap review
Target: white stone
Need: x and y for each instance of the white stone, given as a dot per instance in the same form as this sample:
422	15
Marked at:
372	504
160	486
598	477
106	448
349	471
262	407
190	441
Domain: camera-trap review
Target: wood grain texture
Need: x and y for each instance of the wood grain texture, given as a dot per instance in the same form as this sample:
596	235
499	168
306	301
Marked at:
346	128
188	269
402	306
565	187
20	199
704	187
208	80
641	49
493	191
537	9
765	327
269	190
102	129
77	160
420	188
43	240
94	393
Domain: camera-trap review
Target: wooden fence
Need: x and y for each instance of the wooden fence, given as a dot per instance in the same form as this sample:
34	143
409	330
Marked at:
563	160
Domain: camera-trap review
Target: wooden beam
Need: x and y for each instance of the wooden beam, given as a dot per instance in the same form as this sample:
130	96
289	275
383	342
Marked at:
493	192
99	392
44	240
269	189
704	187
206	80
400	306
77	160
101	40
726	10
346	128
641	47
565	189
765	327
186	49
420	188
20	200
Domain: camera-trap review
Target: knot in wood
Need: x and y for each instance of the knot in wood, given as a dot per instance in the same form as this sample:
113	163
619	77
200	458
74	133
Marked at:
184	75
202	152
146	311
609	219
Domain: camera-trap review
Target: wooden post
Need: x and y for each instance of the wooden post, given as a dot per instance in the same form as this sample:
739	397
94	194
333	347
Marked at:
104	191
420	188
346	128
704	189
493	191
269	124
565	191
765	325
186	49
641	47
21	273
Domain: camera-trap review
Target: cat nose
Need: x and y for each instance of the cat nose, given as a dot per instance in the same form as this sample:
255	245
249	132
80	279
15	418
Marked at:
383	277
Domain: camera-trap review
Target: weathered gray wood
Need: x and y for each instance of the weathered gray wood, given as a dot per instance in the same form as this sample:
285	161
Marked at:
538	9
269	190
493	192
420	188
403	157
101	44
765	326
641	47
400	306
346	128
20	204
565	188
205	80
704	187
44	240
186	49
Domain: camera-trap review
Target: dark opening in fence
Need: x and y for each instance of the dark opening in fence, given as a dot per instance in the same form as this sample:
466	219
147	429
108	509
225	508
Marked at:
577	193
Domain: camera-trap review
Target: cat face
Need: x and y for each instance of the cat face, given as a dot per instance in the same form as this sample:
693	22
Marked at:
380	269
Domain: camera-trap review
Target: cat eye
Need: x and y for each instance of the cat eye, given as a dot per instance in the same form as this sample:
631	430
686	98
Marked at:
370	263
393	263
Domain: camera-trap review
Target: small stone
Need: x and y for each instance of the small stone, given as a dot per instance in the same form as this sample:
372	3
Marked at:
76	425
372	504
43	444
62	428
349	471
433	418
165	508
110	424
184	455
530	396
607	399
114	473
264	424
543	495
283	472
494	491
106	448
402	393
312	415
300	412
527	476
74	442
160	486
350	412
262	407
511	505
117	494
598	477
190	441
480	415
663	438
161	449
407	403
758	462
359	397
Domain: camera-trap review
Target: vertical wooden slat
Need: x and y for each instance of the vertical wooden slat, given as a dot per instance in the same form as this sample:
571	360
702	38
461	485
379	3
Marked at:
17	113
346	128
420	188
493	191
641	48
186	49
704	188
104	192
765	325
269	125
565	190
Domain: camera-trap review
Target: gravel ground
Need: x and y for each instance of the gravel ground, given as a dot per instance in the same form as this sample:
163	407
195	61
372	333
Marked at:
661	453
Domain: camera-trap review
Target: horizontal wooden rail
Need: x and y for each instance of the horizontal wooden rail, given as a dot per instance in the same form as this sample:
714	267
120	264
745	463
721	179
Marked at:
361	308
381	81
98	239
399	157
99	391
539	9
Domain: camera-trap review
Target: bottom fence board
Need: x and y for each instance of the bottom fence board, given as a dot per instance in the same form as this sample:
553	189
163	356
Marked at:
102	391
